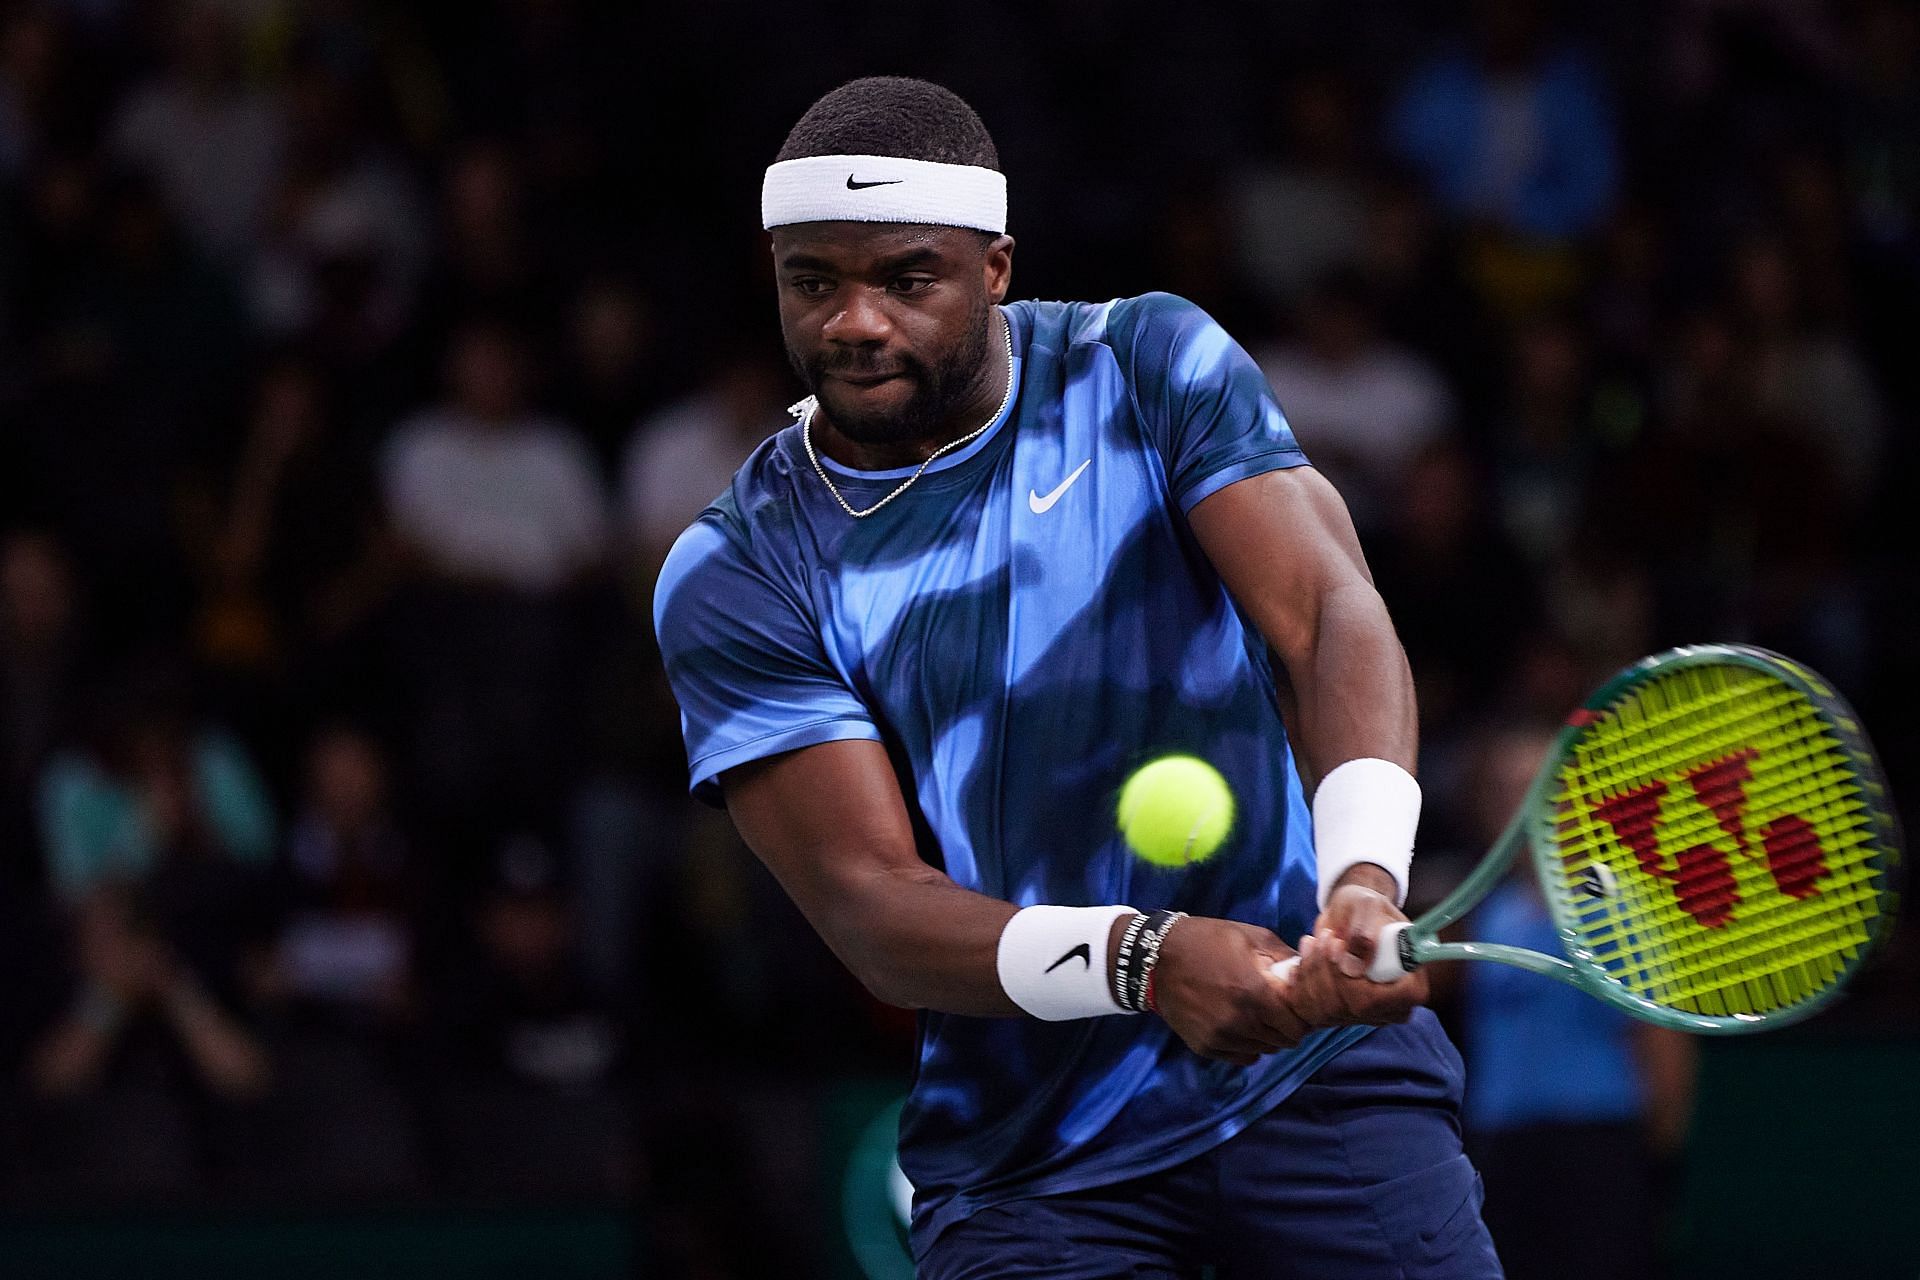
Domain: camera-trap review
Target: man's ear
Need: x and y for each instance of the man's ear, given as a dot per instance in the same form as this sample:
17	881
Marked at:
998	268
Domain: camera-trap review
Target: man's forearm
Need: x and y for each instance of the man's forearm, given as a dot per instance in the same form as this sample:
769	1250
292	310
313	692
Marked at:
920	941
1354	712
1352	692
830	823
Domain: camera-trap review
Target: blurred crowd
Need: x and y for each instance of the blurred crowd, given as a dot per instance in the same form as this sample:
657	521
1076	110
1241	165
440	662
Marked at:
359	362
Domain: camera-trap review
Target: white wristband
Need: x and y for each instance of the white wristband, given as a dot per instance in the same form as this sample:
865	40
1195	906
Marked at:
1365	811
1053	961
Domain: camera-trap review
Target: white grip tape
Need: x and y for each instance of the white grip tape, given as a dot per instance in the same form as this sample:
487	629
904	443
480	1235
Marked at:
1365	811
1386	966
1053	961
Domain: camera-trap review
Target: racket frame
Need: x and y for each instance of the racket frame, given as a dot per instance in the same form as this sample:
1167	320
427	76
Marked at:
1532	829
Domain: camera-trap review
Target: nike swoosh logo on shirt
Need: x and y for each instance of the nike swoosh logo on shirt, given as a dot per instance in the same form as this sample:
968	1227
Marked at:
1082	953
1040	506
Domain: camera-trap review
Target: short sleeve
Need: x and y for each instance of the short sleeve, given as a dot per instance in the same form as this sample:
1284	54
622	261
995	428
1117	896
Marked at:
1202	398
746	664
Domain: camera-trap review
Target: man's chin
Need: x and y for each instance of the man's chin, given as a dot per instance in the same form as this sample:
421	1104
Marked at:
877	414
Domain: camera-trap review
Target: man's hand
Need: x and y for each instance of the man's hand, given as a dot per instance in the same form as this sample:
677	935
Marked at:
1214	986
1330	986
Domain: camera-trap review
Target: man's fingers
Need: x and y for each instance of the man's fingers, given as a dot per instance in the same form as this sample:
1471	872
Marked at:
1285	969
1356	918
1393	1001
1278	1015
1343	959
1334	951
1329	985
1324	993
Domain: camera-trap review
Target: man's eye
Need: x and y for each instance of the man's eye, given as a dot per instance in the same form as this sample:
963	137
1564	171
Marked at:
913	284
813	286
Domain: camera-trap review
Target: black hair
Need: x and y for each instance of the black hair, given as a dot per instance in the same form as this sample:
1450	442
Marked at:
893	116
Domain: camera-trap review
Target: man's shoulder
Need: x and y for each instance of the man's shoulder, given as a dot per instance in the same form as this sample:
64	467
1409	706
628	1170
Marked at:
762	488
1157	322
1165	344
755	505
1117	322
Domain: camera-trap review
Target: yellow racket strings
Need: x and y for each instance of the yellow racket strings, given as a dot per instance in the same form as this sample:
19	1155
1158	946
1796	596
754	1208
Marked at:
1740	867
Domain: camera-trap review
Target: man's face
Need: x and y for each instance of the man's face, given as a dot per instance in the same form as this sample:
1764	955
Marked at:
889	324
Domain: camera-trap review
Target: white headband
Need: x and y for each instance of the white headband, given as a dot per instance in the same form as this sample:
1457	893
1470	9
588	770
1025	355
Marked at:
883	189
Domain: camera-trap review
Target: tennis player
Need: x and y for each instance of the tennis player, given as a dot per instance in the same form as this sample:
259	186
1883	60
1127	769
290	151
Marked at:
1006	554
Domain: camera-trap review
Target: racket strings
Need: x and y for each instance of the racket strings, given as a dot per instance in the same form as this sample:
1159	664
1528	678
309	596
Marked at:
1676	976
1680	977
1741	837
1679	973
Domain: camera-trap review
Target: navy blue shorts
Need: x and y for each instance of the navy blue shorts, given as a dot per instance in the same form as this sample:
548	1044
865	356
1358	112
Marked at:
1357	1175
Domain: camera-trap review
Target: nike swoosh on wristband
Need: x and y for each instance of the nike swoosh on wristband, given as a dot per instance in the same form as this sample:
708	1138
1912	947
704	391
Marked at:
1040	506
887	182
1082	952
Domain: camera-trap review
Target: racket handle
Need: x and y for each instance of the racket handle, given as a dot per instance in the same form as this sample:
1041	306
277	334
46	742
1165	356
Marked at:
1386	966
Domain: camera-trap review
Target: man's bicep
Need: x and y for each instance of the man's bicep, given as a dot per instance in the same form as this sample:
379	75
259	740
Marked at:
1282	541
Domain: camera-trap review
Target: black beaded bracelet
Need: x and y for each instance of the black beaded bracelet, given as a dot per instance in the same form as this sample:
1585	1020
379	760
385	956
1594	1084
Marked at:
1151	940
1125	959
1133	966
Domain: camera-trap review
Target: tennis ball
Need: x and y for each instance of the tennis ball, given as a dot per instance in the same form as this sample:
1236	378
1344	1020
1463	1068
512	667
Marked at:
1175	810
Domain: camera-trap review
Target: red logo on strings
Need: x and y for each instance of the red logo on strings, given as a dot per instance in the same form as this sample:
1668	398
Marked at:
1702	876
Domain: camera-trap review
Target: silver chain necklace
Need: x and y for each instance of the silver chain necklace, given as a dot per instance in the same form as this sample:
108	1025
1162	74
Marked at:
804	410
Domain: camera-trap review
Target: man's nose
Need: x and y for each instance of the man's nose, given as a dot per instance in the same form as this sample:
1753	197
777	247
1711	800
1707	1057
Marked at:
861	321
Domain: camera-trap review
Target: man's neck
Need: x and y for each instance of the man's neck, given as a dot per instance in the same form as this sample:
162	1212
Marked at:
986	399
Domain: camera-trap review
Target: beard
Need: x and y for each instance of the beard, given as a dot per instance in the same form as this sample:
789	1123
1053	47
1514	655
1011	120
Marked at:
939	390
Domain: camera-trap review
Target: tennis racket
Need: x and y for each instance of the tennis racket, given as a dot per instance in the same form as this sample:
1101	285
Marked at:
1714	842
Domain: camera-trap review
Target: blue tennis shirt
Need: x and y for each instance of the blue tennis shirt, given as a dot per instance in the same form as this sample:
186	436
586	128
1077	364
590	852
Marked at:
1023	627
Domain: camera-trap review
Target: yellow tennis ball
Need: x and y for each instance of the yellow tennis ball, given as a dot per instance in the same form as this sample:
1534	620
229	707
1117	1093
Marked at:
1176	810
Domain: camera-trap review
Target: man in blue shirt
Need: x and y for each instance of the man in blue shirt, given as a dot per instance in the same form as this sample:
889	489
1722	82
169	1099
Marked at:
1007	554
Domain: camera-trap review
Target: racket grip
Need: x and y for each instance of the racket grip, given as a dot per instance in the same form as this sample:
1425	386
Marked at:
1386	966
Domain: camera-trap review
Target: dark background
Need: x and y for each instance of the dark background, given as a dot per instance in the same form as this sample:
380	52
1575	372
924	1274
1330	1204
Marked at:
358	362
